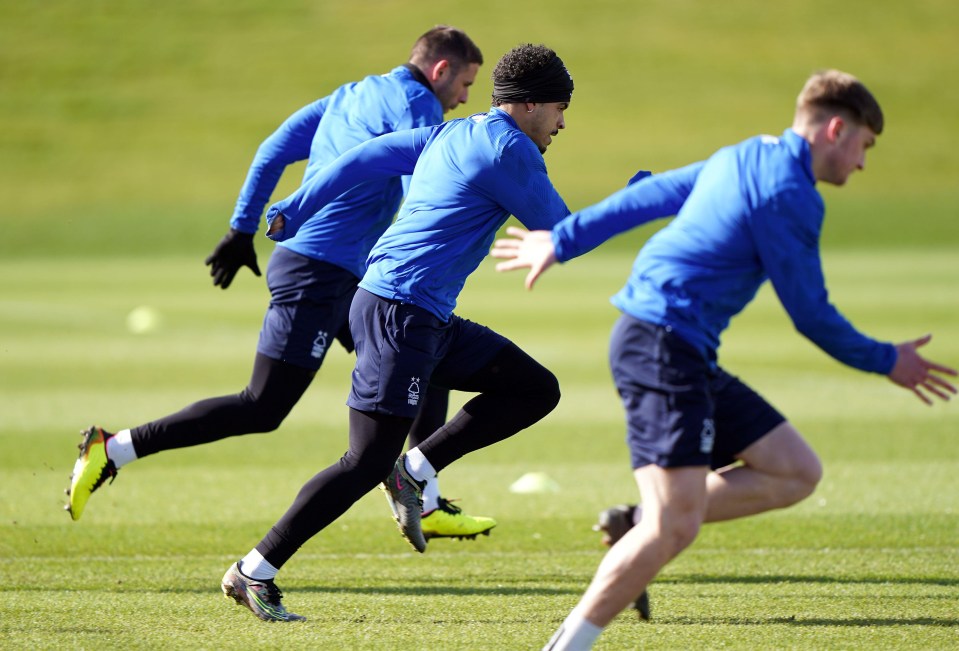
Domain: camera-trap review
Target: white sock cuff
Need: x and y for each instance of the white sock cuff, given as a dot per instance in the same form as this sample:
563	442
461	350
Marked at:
256	567
120	448
418	465
576	634
431	495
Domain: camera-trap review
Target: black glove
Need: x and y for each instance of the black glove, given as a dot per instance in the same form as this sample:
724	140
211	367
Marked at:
235	250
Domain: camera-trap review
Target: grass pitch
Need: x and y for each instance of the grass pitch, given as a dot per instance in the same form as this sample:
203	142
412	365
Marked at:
126	130
869	561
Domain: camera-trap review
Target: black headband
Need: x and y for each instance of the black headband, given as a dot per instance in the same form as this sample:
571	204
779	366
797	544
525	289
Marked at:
551	83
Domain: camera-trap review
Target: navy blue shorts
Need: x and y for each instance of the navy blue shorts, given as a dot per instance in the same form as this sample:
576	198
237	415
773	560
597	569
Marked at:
681	409
401	349
309	309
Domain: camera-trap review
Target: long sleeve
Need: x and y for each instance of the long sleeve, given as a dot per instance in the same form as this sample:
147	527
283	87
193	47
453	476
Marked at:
651	197
289	144
790	257
390	155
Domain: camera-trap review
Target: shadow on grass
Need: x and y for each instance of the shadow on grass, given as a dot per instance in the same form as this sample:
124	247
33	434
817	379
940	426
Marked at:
431	590
793	579
445	590
576	587
870	621
854	622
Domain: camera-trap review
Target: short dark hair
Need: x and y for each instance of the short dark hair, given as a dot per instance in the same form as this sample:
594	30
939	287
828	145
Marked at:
445	42
531	73
522	60
833	91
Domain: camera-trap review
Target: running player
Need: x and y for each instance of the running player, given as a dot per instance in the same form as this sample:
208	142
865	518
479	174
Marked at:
468	176
704	446
312	277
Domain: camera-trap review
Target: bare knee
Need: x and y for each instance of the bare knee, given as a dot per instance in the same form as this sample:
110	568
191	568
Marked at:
682	530
798	480
676	526
806	475
674	505
792	468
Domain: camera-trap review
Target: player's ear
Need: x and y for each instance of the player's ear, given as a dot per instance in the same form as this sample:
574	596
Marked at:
834	128
439	69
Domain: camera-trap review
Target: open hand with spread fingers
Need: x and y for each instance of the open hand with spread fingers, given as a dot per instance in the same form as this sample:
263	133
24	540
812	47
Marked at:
920	375
531	250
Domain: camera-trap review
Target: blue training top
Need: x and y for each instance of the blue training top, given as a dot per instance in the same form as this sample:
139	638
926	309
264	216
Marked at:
749	213
468	176
344	230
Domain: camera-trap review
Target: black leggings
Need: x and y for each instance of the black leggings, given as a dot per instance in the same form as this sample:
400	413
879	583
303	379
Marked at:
274	388
515	392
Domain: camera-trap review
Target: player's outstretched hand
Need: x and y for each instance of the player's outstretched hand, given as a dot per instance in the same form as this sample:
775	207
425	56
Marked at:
920	375
531	250
235	250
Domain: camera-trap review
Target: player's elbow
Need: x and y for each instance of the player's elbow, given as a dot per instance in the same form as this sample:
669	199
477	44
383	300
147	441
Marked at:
807	325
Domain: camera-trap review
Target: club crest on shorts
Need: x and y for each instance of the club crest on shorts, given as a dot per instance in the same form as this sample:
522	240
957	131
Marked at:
707	437
320	344
413	396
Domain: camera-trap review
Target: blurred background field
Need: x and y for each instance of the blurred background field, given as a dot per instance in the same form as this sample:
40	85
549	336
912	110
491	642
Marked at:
126	129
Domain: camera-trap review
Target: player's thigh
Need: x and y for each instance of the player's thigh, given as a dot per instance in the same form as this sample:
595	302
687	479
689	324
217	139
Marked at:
663	384
674	499
742	417
301	332
397	348
783	452
309	306
751	430
472	348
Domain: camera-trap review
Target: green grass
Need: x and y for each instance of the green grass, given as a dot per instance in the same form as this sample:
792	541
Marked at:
129	126
126	129
869	561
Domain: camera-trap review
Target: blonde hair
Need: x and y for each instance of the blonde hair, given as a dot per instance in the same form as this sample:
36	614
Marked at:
828	92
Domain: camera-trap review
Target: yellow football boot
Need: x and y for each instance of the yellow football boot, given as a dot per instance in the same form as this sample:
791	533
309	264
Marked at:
91	469
448	521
